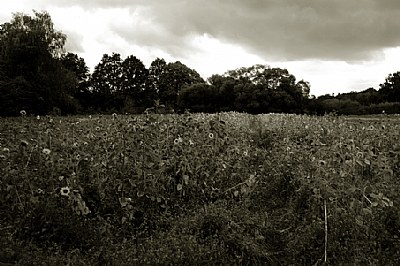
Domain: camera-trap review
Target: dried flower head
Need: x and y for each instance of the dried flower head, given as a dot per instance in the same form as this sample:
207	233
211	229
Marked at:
46	151
65	191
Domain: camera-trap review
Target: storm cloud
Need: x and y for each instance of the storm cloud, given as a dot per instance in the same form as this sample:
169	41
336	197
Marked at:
274	29
284	30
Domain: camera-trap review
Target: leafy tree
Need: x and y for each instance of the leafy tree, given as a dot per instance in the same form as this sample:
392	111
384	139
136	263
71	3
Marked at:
76	65
78	68
106	82
156	71
282	93
368	97
390	89
199	97
134	81
225	87
107	75
174	77
30	49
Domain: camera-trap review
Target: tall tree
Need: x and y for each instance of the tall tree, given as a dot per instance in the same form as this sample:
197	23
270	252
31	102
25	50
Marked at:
156	71
390	90
77	67
29	51
175	76
106	82
134	81
107	74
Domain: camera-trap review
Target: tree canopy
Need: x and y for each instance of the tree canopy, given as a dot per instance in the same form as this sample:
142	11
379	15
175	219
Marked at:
39	76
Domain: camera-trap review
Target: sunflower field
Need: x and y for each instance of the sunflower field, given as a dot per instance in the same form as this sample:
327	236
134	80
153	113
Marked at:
200	189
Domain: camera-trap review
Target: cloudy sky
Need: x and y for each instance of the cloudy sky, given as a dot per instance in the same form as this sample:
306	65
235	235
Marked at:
336	45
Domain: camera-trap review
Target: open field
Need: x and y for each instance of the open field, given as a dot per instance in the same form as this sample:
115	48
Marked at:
196	189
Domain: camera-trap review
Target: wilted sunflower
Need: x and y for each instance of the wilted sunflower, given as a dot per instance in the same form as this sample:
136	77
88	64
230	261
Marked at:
65	191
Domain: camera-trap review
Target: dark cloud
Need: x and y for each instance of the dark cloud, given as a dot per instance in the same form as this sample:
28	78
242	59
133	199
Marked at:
276	29
273	29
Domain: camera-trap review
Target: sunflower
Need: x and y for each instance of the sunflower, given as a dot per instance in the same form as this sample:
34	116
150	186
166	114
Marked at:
65	191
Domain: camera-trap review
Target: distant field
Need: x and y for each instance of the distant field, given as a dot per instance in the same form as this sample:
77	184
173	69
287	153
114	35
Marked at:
197	189
373	117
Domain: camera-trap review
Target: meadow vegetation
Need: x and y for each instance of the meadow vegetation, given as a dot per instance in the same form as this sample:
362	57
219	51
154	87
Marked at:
197	189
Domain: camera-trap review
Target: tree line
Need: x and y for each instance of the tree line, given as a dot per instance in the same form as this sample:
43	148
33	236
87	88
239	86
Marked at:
37	75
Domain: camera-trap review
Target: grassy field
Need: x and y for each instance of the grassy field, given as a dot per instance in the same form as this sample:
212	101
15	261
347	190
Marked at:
196	189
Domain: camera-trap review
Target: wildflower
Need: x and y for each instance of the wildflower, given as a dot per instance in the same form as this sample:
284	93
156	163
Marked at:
65	191
178	140
6	149
76	144
211	135
61	178
114	115
97	128
51	120
322	162
245	153
186	179
46	151
40	191
38	117
191	142
22	112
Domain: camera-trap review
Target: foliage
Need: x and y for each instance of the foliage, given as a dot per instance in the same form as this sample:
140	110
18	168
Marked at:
198	189
175	76
390	90
37	75
32	76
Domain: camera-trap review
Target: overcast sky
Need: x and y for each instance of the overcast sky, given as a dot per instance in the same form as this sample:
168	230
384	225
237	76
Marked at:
336	45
